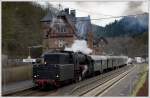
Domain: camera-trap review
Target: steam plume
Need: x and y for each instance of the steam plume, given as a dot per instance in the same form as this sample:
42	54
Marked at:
79	46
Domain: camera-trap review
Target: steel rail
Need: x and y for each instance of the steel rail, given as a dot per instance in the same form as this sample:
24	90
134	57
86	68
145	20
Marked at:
105	85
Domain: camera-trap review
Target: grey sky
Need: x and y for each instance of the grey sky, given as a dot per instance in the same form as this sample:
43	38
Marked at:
104	9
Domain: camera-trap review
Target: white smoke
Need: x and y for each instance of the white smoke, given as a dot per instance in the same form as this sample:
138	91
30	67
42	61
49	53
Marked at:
79	46
136	7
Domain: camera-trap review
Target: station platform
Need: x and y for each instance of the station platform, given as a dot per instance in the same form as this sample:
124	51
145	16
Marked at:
17	86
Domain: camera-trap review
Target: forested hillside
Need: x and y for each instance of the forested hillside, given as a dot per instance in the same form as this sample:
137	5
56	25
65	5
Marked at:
21	27
127	26
131	46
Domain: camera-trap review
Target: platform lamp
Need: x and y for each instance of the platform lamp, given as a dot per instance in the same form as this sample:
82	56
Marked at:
29	49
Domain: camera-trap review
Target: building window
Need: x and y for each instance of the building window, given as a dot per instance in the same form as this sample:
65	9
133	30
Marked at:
58	28
61	28
46	35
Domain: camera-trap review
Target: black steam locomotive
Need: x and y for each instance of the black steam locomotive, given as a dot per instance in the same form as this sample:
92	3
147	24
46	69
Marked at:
59	67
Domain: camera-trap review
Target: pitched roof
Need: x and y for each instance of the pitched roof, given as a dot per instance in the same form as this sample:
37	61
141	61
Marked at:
48	17
83	26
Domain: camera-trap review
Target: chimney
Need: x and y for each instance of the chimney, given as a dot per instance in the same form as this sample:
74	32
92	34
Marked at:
67	10
73	13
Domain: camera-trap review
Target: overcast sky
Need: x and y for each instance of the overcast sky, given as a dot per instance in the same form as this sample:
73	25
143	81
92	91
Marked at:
101	9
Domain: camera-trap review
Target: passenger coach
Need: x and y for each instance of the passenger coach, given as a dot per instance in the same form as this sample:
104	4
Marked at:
104	63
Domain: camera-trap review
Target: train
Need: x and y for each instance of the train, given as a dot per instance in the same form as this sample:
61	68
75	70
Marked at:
60	67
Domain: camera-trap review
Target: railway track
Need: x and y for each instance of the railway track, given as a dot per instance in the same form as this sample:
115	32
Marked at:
100	89
87	87
79	89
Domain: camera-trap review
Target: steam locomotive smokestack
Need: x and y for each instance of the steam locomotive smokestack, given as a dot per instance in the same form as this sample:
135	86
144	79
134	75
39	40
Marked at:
79	46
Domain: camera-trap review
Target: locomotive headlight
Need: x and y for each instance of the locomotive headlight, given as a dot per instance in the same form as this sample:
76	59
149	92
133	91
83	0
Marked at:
45	62
35	76
57	75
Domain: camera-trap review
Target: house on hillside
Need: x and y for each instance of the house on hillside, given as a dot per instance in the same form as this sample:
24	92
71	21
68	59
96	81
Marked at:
99	45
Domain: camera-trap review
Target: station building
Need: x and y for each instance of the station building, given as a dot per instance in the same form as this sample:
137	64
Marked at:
60	30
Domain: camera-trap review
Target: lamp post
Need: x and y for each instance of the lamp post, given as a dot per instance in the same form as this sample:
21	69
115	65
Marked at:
29	49
29	57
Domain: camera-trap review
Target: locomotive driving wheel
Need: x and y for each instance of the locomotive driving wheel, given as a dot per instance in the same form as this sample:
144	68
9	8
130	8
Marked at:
78	76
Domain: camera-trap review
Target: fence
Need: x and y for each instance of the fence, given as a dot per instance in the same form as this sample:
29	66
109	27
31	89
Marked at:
14	70
16	74
13	63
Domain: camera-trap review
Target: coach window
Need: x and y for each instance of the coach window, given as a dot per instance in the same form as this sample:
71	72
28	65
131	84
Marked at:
107	63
